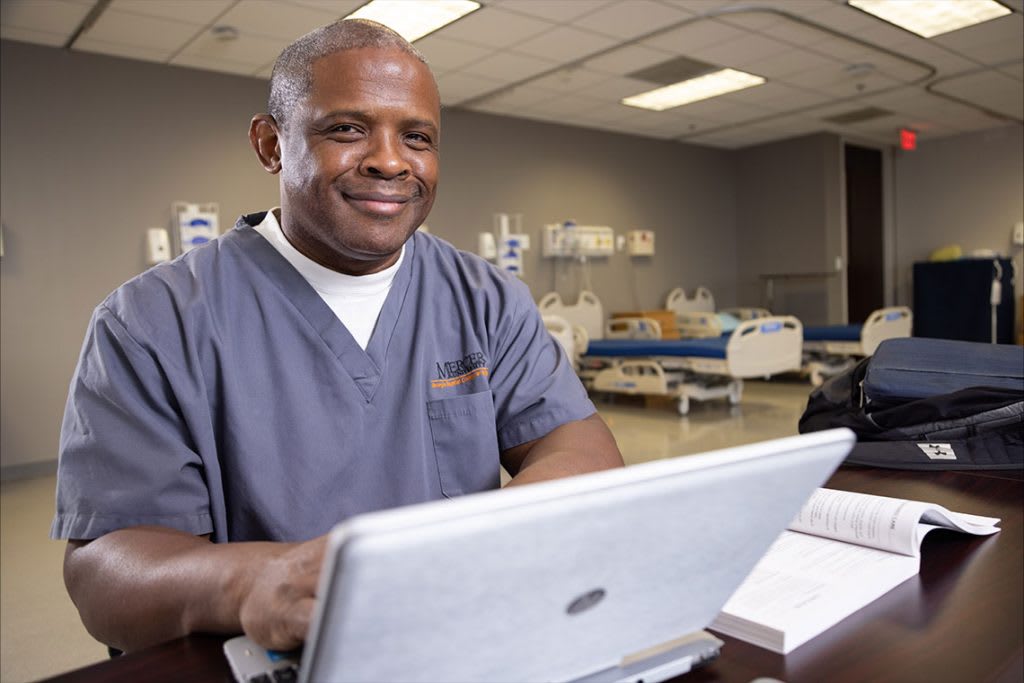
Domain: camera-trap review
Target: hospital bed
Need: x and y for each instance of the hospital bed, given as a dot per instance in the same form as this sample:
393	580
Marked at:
697	317
831	349
587	313
697	369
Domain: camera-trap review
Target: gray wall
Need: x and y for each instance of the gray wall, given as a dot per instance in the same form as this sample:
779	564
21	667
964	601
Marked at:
550	173
95	149
964	190
790	222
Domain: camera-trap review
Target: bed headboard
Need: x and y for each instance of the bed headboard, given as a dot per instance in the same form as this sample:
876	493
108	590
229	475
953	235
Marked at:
587	312
702	301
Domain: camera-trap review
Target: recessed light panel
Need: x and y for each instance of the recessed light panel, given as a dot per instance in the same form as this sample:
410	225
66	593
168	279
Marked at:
929	18
413	20
693	90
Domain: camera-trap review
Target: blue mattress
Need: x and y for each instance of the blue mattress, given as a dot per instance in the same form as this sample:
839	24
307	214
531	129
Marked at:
833	333
642	348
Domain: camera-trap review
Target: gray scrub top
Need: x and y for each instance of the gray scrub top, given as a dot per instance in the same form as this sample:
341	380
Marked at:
219	394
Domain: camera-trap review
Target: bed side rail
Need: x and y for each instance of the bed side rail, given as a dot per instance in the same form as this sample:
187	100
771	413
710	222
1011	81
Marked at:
765	346
885	323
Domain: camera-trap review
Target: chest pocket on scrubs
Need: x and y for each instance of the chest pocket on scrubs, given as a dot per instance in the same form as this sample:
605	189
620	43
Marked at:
465	443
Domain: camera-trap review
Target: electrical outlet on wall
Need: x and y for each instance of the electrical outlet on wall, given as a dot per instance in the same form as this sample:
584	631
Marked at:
1018	233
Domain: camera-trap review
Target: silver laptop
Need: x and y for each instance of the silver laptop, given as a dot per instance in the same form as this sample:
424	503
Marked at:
609	576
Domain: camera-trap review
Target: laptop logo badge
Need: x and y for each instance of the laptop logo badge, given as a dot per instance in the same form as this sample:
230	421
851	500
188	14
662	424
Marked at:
585	601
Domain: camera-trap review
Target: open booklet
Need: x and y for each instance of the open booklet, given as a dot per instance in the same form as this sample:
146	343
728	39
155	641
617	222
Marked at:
843	551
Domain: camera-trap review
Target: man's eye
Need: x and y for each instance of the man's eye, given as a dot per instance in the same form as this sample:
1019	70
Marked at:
418	138
344	128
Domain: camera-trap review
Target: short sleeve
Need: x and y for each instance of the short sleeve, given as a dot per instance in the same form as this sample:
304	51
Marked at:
125	453
535	388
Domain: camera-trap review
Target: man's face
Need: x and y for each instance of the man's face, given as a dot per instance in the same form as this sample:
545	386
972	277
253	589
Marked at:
359	159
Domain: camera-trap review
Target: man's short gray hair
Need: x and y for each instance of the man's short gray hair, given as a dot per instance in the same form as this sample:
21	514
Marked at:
292	76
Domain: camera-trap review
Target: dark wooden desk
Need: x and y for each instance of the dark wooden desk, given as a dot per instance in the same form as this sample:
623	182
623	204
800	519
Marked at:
960	620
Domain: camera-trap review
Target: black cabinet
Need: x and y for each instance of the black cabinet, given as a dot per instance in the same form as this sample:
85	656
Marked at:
952	300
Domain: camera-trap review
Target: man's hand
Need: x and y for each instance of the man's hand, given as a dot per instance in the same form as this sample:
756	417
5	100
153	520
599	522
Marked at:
144	585
279	605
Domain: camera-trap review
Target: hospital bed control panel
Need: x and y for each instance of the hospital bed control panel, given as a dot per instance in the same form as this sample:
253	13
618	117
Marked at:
568	240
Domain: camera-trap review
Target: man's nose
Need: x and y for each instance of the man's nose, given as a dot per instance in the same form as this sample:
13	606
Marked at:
385	158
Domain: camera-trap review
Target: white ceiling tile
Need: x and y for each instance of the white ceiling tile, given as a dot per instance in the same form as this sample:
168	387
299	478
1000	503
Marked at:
616	88
942	59
989	89
631	18
826	74
220	65
564	44
767	93
495	28
569	79
559	11
844	50
698	6
701	33
246	49
459	87
508	66
996	30
841	17
276	19
627	59
1014	71
745	51
200	12
882	33
791	62
444	54
797	33
87	44
996	52
45	16
753	18
608	113
27	35
340	8
142	31
859	86
565	106
517	98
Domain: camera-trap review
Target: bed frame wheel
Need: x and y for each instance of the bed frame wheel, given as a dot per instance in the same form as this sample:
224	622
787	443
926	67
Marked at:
684	405
734	398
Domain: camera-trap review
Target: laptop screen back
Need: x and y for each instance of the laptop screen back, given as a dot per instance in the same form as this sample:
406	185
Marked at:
559	580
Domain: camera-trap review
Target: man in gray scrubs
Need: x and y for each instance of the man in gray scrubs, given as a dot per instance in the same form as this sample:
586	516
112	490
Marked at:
320	360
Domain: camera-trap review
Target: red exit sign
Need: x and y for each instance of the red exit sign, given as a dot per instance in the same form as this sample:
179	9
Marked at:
908	139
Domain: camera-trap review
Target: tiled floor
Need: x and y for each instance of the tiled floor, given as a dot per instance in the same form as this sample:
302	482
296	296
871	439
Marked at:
40	633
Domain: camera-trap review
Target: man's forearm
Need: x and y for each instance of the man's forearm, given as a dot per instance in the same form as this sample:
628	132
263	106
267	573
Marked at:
144	585
574	448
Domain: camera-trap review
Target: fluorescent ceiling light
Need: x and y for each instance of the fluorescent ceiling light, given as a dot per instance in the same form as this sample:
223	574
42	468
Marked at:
695	89
413	19
929	18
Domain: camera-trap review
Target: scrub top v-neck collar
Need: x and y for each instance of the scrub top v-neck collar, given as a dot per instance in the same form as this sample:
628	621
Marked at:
365	367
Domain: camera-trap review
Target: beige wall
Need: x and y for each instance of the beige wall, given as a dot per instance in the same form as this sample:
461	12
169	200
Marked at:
964	190
790	222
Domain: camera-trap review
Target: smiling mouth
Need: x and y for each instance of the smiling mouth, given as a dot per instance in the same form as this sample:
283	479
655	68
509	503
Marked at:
378	203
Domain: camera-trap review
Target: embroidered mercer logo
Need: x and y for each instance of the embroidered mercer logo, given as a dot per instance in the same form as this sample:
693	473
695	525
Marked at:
459	371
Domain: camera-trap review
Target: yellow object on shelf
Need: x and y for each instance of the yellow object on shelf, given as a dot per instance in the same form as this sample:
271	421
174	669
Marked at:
950	252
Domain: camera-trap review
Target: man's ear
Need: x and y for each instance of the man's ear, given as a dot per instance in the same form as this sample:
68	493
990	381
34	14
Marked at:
264	138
